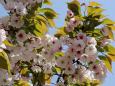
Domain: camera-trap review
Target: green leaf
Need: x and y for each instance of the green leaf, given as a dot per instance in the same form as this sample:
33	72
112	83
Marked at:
96	33
94	10
15	84
94	4
49	13
109	49
44	27
100	49
37	33
23	83
110	34
111	56
51	22
7	43
75	7
41	77
112	27
42	18
47	2
39	50
107	62
41	27
95	83
24	71
108	21
102	16
58	69
4	62
61	32
91	23
59	54
80	18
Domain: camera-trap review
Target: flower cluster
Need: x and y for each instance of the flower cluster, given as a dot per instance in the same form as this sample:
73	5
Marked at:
2	38
85	53
74	56
17	9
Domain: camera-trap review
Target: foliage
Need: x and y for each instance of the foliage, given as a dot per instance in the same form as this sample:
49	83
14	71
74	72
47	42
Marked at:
78	54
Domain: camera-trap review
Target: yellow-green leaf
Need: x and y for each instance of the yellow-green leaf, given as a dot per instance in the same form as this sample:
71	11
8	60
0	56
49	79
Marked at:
110	50
24	71
94	4
51	22
24	83
41	27
42	18
4	62
44	27
108	21
58	69
112	27
111	56
47	79
107	62
80	18
49	13
59	54
39	34
108	65
62	54
110	34
95	82
94	10
102	16
7	43
75	7
61	31
47	2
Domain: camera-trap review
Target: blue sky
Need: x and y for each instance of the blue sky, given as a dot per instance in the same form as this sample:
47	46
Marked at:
60	7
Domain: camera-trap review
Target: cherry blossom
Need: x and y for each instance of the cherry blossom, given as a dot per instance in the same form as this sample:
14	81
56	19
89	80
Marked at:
72	55
70	13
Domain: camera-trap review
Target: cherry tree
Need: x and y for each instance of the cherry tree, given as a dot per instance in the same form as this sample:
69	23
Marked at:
78	54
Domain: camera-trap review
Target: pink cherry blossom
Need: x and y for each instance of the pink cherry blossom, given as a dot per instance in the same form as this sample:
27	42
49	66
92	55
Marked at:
70	13
4	22
16	21
81	36
21	9
61	62
79	53
70	69
10	5
104	31
79	44
69	28
74	21
71	50
2	35
91	41
84	58
21	36
91	50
